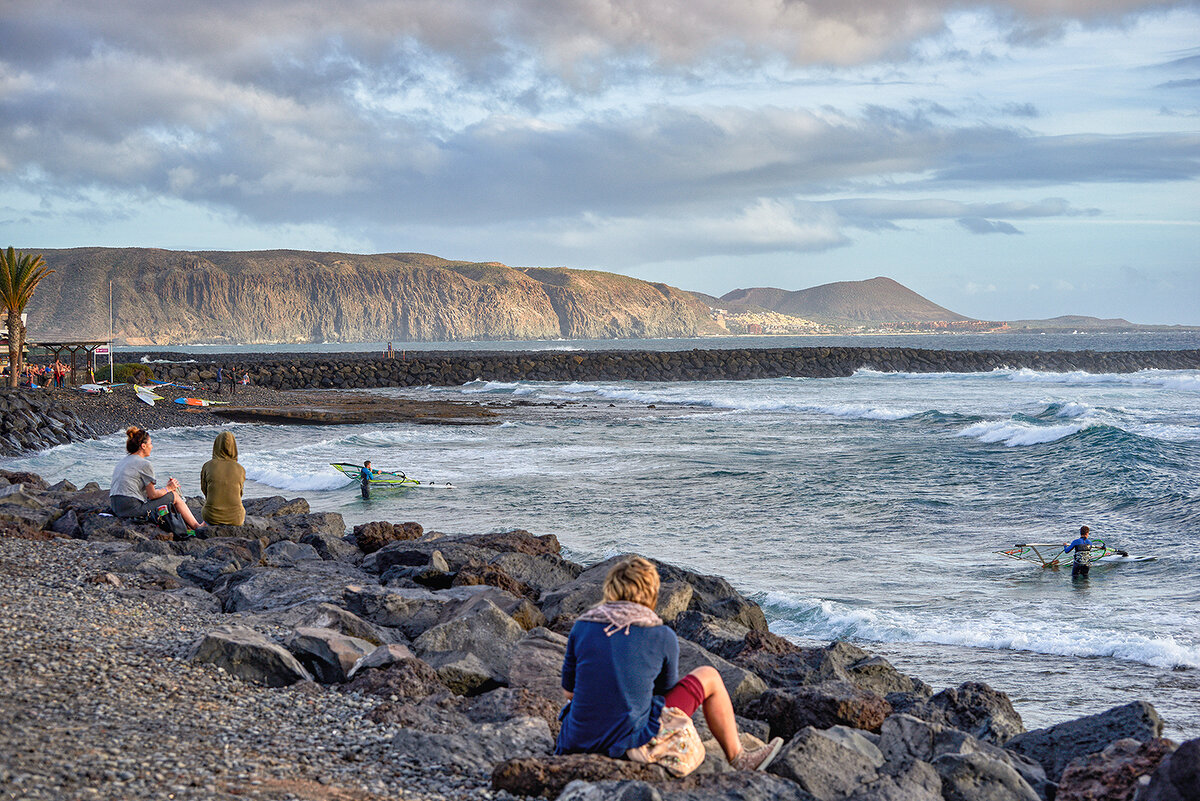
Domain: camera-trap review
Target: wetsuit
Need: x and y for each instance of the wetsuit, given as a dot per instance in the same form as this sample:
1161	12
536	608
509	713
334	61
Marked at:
365	473
1082	548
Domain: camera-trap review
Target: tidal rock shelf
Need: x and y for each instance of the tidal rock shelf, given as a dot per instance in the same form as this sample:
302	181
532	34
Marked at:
290	658
323	371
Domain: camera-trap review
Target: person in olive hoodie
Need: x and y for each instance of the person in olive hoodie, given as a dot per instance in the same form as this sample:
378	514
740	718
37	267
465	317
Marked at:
222	480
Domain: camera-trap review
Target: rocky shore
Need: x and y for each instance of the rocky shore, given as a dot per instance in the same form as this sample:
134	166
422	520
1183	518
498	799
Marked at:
290	658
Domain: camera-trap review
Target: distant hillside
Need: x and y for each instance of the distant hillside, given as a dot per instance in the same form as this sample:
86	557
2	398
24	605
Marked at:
1077	321
174	297
878	300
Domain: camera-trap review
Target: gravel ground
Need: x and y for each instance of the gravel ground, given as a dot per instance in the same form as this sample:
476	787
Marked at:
115	411
98	701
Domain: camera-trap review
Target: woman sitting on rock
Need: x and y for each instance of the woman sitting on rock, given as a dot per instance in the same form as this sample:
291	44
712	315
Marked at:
222	480
133	494
622	669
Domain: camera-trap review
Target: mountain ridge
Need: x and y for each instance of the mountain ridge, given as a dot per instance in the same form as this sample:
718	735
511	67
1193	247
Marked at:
272	296
876	300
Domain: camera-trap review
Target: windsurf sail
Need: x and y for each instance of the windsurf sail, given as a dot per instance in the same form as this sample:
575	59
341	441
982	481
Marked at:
146	395
1051	554
383	478
95	389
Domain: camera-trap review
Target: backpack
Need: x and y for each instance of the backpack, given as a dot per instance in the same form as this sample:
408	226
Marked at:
169	520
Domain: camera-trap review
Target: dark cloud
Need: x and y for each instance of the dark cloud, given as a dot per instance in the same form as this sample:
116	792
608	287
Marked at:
978	225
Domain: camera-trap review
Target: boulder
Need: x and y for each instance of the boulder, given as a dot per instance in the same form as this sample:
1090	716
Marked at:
370	537
329	655
541	572
739	785
743	686
537	660
19	495
824	705
258	588
250	656
494	576
978	777
68	525
1114	773
288	554
1177	777
380	657
329	616
471	653
456	554
411	610
432	715
275	506
726	638
296	527
477	751
506	703
406	680
333	548
916	782
1055	746
904	739
830	767
547	776
782	664
977	709
517	541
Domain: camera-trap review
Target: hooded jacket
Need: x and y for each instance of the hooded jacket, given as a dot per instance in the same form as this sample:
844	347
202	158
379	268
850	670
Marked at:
222	480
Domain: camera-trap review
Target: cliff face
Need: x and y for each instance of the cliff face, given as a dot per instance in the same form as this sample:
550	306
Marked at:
165	297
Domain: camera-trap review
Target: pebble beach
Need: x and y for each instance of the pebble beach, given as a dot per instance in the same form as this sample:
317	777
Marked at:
100	702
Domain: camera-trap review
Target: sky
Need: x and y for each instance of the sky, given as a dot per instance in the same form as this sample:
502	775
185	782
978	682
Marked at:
1008	160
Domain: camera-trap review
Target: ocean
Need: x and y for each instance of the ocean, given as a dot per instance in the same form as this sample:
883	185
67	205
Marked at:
868	508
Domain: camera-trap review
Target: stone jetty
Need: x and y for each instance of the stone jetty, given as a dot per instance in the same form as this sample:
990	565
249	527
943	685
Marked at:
292	658
365	371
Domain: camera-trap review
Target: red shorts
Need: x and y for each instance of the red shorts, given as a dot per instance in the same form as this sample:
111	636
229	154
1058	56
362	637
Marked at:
686	696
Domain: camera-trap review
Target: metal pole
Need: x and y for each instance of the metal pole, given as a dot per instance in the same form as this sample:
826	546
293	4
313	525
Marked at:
111	377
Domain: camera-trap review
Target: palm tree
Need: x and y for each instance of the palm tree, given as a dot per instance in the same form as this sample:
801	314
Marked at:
20	273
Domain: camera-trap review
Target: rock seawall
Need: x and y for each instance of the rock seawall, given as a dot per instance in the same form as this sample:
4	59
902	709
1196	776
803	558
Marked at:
324	371
31	421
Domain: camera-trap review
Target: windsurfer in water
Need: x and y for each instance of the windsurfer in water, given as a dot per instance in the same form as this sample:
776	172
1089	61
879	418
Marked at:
1082	547
366	474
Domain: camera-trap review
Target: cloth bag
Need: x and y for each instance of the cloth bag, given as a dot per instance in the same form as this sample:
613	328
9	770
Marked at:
676	747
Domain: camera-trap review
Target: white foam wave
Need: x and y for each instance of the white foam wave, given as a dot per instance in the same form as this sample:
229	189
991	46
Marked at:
1173	380
1014	434
1073	409
822	619
296	482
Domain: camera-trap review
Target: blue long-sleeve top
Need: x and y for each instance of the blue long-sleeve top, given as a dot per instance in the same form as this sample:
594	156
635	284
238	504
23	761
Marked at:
1079	544
618	683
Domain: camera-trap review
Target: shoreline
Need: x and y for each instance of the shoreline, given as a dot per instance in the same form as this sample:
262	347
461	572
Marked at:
106	669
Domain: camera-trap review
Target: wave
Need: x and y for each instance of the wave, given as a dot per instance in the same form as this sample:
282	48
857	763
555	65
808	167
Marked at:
296	482
1173	380
823	619
1014	433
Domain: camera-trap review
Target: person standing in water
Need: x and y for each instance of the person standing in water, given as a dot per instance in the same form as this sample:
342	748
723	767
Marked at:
1082	548
366	474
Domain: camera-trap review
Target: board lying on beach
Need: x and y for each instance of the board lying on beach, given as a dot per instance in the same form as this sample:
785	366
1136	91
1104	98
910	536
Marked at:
200	402
146	395
1051	554
384	478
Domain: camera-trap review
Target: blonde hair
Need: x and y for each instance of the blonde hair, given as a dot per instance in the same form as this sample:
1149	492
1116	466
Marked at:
633	579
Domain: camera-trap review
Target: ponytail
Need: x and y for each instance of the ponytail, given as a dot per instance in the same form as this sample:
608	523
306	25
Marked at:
134	438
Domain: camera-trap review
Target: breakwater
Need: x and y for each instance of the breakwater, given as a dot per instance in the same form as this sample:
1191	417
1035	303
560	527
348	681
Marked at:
32	420
365	371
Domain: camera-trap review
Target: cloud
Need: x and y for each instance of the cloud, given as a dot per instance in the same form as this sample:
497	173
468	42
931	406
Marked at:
978	225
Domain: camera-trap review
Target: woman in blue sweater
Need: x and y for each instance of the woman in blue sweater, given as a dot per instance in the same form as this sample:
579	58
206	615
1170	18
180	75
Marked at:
622	669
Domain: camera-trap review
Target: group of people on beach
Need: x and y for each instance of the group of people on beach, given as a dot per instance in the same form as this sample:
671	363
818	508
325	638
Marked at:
49	375
135	494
